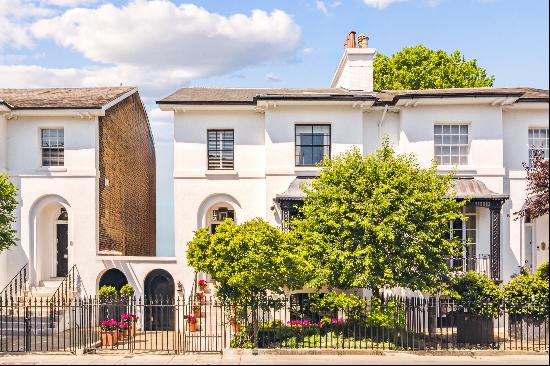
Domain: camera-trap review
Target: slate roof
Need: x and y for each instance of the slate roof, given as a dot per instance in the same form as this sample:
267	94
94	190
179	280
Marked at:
209	95
61	98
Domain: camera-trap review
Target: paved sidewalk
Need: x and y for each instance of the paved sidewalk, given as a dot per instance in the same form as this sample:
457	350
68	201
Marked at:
248	359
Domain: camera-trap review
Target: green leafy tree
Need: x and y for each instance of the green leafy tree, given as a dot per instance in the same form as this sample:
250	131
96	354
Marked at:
248	260
377	220
477	293
422	68
8	203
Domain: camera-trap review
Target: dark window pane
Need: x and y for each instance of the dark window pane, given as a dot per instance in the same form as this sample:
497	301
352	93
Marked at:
312	144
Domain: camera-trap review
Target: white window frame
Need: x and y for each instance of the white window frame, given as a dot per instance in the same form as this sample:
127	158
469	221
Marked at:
532	147
61	159
463	159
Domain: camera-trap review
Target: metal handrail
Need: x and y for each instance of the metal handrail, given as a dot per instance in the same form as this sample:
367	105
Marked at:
71	282
18	284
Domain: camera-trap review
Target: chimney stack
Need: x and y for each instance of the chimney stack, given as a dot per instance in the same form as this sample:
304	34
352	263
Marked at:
355	70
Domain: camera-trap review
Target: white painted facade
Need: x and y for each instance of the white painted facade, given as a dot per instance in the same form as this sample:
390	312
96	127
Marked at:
43	191
264	148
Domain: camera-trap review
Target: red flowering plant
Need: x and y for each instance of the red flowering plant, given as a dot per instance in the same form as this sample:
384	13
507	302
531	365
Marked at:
129	318
202	283
191	319
110	325
122	325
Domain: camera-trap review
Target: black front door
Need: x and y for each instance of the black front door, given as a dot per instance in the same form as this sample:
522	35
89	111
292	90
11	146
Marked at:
62	250
159	303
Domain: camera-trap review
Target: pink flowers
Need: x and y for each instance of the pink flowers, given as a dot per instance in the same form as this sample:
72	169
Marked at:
202	283
294	323
192	319
110	325
128	318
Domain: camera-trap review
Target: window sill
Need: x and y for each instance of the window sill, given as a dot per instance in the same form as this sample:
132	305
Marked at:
457	168
217	173
306	170
52	169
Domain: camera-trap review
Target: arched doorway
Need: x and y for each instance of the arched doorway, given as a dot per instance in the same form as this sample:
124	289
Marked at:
217	214
49	237
159	300
113	277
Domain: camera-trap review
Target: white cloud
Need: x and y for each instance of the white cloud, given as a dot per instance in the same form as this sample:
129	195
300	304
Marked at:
69	3
156	45
186	38
308	50
15	16
272	78
320	5
380	4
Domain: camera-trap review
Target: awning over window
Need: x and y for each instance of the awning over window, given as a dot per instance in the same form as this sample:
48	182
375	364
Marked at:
294	191
464	187
475	189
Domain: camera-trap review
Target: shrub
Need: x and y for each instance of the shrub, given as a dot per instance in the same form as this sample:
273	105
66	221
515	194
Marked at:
107	293
527	295
542	271
477	293
127	291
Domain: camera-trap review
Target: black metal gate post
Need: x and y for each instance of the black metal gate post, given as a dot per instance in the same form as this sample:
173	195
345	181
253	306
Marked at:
28	328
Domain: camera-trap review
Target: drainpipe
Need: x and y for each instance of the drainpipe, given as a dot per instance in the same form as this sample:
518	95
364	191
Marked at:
382	120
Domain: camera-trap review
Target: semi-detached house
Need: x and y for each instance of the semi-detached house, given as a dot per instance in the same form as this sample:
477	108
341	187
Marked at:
244	153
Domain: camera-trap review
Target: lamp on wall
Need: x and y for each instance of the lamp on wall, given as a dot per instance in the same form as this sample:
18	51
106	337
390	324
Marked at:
180	286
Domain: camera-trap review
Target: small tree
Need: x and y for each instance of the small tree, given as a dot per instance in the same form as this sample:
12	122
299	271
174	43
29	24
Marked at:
378	220
538	180
247	261
8	204
421	68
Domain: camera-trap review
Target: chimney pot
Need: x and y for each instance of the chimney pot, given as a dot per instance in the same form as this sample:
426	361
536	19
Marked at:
363	41
350	40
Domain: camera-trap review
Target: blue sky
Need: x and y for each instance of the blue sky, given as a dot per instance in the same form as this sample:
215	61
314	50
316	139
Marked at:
162	45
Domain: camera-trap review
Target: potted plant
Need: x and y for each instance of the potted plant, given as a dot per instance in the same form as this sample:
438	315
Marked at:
526	299
479	302
109	332
203	285
235	326
131	320
127	292
192	321
123	329
107	293
196	310
201	298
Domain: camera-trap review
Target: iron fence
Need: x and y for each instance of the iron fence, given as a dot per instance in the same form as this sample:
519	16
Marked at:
205	325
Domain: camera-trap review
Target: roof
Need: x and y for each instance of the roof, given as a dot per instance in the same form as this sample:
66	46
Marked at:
207	95
294	190
475	189
200	95
61	98
464	187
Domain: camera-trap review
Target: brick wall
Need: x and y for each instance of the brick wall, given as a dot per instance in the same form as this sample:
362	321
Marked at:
127	202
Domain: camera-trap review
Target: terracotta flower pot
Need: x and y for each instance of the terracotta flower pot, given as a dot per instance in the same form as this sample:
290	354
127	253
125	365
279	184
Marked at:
192	327
197	312
132	328
236	328
109	339
203	287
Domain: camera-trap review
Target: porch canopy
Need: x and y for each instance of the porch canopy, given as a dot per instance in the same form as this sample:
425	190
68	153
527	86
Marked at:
466	188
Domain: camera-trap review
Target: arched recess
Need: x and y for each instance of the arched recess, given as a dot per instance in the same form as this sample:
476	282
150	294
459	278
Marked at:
159	300
229	206
112	277
50	235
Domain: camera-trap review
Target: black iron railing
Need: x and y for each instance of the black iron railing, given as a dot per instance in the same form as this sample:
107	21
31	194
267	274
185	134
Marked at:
17	286
480	263
174	326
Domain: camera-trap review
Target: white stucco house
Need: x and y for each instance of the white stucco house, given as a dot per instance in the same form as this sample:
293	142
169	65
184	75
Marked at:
83	162
243	152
